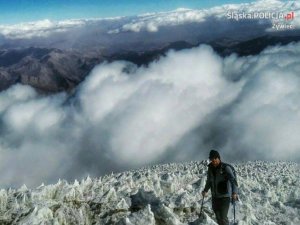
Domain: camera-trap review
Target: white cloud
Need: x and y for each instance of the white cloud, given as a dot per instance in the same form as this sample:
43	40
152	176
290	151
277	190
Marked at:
143	108
176	109
44	28
37	29
266	117
153	22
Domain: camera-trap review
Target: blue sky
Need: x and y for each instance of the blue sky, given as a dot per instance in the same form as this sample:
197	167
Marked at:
16	11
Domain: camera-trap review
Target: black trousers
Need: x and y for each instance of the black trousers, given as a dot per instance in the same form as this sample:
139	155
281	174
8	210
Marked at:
220	207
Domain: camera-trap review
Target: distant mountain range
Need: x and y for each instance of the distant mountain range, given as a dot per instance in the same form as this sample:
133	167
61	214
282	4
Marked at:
53	70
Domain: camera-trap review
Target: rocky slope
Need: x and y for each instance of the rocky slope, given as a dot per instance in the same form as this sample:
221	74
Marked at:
53	70
162	194
45	69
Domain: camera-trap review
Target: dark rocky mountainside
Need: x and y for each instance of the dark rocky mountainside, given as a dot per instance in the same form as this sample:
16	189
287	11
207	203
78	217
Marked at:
45	69
53	70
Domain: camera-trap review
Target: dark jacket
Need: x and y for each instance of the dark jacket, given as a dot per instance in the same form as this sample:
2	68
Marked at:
221	181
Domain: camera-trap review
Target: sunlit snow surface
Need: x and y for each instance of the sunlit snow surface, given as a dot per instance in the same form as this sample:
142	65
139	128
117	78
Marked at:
163	194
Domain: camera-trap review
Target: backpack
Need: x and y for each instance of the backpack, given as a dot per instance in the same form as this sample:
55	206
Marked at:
233	171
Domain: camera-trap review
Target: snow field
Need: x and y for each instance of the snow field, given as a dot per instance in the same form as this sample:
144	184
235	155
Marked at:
168	194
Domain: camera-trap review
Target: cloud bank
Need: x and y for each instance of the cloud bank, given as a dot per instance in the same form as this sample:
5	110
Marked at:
155	22
44	28
176	109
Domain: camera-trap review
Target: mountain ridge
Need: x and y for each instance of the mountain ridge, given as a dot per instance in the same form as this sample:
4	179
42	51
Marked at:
55	70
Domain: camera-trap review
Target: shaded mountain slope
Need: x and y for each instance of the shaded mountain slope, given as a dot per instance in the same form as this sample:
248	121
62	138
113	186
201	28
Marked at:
61	70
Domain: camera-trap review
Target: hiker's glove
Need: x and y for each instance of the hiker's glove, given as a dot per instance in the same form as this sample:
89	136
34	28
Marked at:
234	197
204	193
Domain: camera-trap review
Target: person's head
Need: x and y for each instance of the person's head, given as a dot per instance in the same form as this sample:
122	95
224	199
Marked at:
214	157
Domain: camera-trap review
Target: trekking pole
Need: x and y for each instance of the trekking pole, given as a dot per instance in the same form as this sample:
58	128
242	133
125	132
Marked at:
201	206
234	222
233	212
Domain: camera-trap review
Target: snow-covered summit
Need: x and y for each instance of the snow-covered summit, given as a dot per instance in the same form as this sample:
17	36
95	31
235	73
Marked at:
163	194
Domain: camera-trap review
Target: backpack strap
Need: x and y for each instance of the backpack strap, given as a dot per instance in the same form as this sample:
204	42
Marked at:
223	167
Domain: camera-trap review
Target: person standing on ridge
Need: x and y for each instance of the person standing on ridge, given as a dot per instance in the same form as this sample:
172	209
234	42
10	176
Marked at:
223	184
